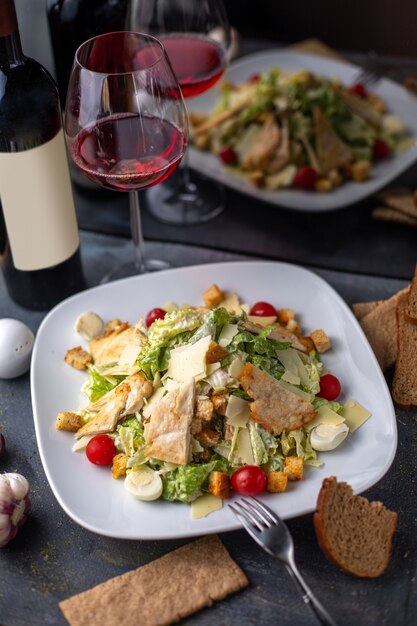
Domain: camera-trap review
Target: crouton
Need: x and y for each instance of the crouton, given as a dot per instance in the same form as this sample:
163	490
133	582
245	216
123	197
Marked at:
78	358
257	179
71	422
112	325
219	484
277	481
207	437
197	118
203	409
294	467
321	340
118	468
219	404
215	353
360	171
323	185
285	315
213	296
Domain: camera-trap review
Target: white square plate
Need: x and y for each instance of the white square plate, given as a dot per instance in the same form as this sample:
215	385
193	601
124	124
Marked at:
398	100
95	500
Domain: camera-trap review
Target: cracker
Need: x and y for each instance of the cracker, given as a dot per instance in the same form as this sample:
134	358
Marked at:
401	199
361	309
380	327
404	384
161	592
392	215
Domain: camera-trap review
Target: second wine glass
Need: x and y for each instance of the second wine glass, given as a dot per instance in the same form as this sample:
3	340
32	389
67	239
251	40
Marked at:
196	36
126	123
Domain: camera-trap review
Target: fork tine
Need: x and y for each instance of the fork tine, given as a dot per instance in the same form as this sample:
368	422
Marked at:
250	504
256	504
246	516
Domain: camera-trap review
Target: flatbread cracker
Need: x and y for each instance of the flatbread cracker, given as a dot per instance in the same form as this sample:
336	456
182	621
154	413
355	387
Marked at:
387	214
411	308
161	592
361	309
401	199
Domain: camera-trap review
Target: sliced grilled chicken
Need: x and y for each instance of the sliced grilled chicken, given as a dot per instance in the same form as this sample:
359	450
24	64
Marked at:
125	399
274	407
109	347
168	432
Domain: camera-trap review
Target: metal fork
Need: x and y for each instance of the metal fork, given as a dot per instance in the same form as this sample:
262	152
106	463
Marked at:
270	532
372	70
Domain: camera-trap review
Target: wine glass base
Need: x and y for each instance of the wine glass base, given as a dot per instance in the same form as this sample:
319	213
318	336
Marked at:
131	269
197	201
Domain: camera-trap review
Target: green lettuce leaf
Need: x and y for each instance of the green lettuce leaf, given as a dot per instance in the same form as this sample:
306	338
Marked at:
97	385
187	482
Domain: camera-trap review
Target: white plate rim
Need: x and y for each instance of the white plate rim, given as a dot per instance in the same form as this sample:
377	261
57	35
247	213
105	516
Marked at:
346	195
213	526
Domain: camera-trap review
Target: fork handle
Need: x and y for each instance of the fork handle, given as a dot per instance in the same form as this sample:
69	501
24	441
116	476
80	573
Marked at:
309	598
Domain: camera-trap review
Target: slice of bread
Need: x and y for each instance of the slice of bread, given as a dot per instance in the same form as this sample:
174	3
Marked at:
380	328
404	384
411	308
353	533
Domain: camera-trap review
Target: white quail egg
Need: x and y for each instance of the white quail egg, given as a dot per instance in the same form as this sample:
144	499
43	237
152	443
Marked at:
326	437
16	343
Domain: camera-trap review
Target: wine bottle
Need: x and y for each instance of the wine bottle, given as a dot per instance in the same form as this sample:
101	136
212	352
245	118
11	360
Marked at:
39	239
71	22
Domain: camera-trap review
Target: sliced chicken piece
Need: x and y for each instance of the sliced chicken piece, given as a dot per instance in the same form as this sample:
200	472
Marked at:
123	400
362	108
282	155
168	432
332	152
109	347
267	142
274	407
279	333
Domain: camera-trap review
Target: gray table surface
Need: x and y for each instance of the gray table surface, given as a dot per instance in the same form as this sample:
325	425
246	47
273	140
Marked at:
53	558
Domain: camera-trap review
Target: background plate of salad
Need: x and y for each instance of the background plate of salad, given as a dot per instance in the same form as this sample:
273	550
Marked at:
391	149
87	492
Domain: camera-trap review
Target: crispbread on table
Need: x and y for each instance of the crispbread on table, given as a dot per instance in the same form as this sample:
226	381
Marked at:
161	592
380	327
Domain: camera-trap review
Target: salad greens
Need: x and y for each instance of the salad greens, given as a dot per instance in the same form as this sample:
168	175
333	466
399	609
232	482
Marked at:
193	359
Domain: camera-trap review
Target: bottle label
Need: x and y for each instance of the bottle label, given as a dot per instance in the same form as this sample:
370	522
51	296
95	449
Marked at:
38	207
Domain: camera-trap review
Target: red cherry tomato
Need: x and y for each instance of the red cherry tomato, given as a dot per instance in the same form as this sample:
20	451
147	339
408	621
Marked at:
330	387
306	178
380	149
100	450
154	314
358	90
249	480
228	155
254	78
263	309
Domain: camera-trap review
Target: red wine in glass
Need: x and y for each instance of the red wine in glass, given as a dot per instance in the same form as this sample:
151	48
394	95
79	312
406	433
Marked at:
198	61
152	150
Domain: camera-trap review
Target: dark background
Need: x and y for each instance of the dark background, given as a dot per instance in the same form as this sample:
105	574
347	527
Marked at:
384	26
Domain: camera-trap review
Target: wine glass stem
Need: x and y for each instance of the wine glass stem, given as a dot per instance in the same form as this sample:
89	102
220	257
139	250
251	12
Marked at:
137	234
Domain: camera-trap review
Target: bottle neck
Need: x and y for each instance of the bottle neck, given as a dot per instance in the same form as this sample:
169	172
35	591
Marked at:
10	46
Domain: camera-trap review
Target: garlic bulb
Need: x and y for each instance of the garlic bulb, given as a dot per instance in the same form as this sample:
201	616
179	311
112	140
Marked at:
14	505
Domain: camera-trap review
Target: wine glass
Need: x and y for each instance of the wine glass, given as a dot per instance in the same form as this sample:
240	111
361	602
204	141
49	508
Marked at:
126	124
196	37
